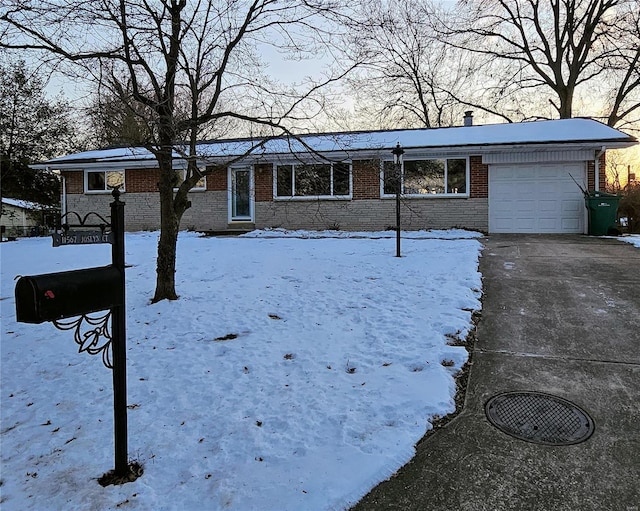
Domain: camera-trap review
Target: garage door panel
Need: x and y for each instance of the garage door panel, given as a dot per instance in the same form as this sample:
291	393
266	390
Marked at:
572	206
544	225
536	198
525	208
524	225
547	206
523	191
546	189
571	225
503	191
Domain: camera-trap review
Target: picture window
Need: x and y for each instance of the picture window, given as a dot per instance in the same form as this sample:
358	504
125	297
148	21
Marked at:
104	180
427	177
313	180
201	184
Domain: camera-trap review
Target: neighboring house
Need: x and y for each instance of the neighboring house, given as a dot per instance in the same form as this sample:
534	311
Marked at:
525	177
24	218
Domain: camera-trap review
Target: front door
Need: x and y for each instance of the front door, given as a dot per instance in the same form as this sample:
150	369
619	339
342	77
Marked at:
241	194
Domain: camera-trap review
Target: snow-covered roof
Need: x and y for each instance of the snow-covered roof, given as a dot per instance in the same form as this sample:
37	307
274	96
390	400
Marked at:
553	132
18	203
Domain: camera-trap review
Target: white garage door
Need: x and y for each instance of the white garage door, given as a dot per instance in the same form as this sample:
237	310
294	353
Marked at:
536	198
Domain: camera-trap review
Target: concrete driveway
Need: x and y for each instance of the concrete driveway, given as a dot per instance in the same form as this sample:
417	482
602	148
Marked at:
561	315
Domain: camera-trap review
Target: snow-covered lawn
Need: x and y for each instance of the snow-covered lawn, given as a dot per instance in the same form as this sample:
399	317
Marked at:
634	239
339	355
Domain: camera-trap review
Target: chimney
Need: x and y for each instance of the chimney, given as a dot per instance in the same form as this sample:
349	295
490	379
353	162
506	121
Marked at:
468	118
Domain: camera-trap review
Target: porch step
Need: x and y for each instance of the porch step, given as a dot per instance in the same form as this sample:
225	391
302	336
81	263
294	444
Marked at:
227	232
233	229
242	226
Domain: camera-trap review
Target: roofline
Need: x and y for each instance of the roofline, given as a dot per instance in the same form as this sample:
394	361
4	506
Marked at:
398	130
144	163
151	162
618	143
31	206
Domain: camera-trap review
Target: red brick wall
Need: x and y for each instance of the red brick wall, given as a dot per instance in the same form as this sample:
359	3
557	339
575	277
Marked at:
366	179
590	175
591	170
74	181
141	180
365	174
217	180
479	178
263	181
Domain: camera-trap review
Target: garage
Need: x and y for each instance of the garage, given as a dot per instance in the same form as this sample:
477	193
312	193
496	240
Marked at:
537	198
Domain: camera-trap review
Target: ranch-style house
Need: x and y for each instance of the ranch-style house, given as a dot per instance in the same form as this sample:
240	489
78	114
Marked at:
525	177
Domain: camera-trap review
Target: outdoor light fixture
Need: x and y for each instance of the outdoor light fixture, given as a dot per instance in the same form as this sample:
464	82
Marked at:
397	152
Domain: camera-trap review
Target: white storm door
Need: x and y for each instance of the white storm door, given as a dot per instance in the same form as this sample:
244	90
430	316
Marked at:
241	194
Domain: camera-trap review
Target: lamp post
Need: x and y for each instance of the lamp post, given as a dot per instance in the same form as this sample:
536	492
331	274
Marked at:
397	152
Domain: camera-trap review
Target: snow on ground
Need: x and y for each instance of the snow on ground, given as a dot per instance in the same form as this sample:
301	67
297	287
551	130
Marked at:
634	239
340	360
416	235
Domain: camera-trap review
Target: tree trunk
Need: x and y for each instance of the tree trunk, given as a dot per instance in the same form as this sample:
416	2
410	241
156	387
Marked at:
169	227
566	108
565	95
166	263
173	204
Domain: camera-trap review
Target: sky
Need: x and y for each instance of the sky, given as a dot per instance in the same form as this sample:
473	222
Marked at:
291	71
624	159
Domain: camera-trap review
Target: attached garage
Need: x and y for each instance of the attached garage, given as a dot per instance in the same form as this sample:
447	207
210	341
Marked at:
537	198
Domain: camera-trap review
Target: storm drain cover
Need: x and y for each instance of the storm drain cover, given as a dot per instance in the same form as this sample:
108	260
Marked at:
539	418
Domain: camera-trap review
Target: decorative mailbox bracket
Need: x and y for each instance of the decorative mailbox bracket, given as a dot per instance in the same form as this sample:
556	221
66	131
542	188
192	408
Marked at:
57	296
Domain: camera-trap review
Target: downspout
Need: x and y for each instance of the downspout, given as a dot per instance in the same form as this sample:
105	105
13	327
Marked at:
63	202
597	168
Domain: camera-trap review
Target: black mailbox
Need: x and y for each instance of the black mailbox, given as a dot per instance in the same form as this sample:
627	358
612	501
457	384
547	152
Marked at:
53	296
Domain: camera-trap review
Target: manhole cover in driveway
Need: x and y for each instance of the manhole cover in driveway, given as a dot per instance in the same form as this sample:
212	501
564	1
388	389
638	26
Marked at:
539	418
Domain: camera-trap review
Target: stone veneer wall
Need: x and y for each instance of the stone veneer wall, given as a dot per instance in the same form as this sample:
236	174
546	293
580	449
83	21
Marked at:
208	210
374	214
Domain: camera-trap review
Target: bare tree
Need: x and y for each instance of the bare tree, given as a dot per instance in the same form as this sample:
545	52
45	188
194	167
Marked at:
556	45
179	67
408	71
624	65
418	72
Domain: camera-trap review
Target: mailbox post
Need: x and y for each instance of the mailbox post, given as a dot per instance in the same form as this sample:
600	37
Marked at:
56	296
119	341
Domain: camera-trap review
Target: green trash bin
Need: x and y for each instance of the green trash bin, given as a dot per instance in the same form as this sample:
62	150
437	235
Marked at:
603	212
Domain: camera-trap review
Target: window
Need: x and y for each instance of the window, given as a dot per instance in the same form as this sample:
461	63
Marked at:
427	177
180	175
313	180
104	180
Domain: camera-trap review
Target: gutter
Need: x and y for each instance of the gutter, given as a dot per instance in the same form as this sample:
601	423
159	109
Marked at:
105	164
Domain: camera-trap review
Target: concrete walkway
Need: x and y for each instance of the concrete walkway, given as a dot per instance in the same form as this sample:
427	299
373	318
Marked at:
561	315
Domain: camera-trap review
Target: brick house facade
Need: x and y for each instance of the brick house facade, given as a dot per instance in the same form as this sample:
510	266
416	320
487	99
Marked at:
500	178
366	210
